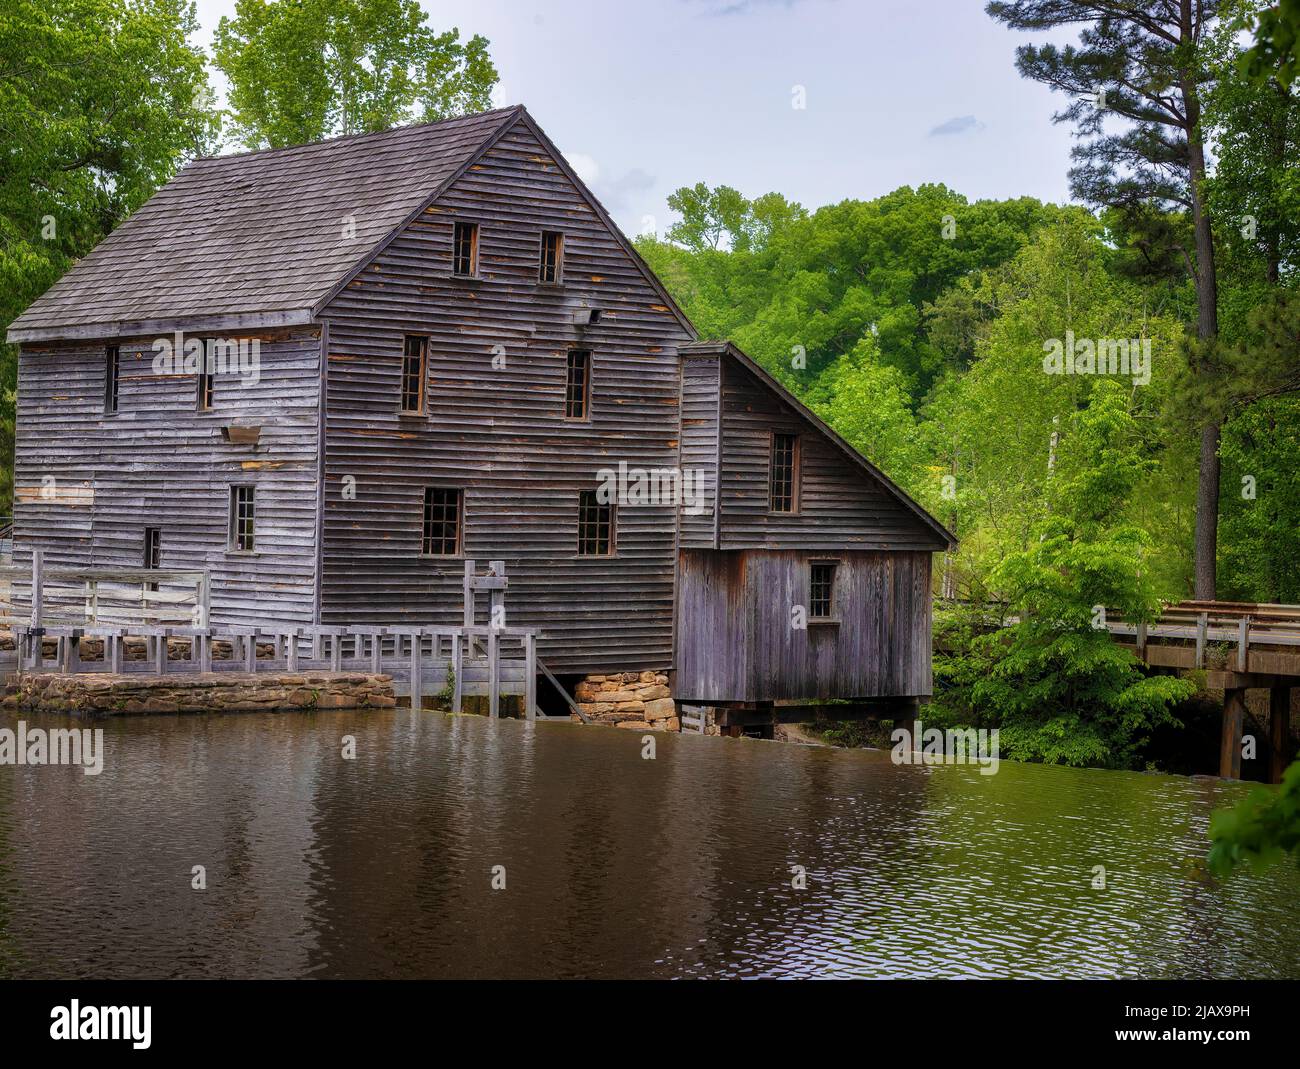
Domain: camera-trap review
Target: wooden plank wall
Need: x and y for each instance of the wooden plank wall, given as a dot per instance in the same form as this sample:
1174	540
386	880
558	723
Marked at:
499	432
700	446
840	507
738	644
159	463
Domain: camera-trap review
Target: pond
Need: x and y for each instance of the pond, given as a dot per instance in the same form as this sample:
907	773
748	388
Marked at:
613	865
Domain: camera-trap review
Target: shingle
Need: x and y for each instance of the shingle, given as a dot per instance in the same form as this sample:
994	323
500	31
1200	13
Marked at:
263	231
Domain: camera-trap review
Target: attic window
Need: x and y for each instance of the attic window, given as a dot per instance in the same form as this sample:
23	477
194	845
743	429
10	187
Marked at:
112	365
783	474
464	252
552	262
414	360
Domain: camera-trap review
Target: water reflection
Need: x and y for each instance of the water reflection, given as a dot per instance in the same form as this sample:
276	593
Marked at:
615	866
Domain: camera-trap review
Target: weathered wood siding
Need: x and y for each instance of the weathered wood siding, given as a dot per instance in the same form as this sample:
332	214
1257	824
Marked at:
737	641
159	463
700	444
839	505
499	432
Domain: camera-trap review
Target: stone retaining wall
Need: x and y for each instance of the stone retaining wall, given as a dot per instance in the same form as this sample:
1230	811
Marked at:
102	694
639	701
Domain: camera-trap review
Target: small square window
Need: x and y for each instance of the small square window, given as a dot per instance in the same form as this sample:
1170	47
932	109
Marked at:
415	354
595	526
464	253
821	589
112	369
551	268
241	519
577	385
442	526
783	475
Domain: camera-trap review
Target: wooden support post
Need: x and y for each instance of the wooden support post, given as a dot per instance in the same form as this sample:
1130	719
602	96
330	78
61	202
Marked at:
65	654
376	653
205	650
315	646
530	676
457	665
417	683
160	653
494	673
1202	624
113	648
250	653
74	651
1234	716
291	651
336	652
1279	729
497	597
469	592
1243	642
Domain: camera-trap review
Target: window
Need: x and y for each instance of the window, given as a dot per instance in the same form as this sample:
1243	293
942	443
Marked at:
783	476
111	369
207	383
577	385
152	551
442	509
414	361
241	519
464	251
595	526
821	589
552	264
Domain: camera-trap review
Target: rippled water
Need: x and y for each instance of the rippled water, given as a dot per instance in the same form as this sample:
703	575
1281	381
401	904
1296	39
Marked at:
615	866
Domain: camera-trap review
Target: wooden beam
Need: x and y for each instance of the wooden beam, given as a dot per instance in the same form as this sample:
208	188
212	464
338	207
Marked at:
1279	723
1234	715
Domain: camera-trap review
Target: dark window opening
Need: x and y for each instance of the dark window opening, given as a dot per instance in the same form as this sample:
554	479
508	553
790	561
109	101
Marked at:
112	367
821	590
206	386
552	263
783	477
595	526
152	551
464	255
442	509
577	386
414	362
241	518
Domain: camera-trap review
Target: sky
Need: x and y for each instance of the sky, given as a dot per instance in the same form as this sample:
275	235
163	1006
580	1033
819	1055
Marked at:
645	96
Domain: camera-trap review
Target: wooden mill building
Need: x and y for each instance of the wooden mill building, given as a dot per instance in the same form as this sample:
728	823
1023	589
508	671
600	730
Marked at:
438	345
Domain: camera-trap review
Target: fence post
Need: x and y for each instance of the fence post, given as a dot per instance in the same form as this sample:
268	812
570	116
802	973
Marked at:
160	651
36	636
457	663
250	652
205	649
530	676
1243	642
1202	622
417	684
291	651
494	673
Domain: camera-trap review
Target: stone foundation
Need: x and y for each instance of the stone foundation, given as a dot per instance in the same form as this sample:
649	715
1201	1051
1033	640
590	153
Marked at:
102	694
639	701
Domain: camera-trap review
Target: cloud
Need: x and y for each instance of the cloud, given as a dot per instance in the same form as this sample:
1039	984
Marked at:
586	166
620	194
961	124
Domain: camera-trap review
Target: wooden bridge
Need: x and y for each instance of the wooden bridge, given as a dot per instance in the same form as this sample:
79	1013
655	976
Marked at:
1239	646
106	611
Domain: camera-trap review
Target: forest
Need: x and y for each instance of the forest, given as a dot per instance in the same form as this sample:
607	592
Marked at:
1098	398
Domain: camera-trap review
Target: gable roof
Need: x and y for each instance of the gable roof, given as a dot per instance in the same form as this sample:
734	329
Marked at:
260	238
727	349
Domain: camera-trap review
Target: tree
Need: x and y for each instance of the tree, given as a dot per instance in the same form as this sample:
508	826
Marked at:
1260	830
1140	61
303	70
100	102
1277	43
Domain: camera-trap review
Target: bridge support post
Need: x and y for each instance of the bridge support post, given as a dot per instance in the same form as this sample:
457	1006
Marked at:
1279	729
1234	716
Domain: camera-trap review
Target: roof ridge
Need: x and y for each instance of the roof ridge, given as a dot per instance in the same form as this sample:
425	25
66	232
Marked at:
221	157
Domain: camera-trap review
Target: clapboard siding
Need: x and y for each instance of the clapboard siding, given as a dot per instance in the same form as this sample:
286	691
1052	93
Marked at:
839	506
498	432
700	448
739	642
159	463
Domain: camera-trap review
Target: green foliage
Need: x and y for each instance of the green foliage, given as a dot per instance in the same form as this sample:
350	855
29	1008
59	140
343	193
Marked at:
303	70
1260	830
1276	52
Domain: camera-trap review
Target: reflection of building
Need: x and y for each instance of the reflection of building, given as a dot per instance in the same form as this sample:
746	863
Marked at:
431	343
